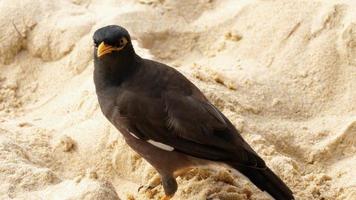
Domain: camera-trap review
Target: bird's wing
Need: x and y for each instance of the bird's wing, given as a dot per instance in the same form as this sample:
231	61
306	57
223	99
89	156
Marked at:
189	124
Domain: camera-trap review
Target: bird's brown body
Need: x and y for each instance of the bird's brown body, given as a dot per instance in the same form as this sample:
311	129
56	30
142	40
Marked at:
110	99
167	119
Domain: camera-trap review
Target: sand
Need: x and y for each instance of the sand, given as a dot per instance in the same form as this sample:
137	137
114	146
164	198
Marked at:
284	72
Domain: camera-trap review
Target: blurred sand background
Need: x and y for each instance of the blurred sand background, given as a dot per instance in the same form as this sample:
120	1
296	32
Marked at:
283	71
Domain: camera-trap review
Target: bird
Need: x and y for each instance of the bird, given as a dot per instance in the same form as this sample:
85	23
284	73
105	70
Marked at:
167	120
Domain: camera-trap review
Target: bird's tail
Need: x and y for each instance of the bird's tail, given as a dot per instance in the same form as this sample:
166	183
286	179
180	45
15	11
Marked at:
267	181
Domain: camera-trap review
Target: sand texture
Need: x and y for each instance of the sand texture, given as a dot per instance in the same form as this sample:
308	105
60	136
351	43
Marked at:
283	71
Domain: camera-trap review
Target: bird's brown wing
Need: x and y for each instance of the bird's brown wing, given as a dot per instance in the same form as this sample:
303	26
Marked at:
189	124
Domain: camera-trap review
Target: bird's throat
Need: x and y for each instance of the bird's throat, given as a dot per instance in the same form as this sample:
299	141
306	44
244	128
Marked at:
113	71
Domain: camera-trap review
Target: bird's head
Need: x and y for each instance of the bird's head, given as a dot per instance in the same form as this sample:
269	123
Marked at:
112	41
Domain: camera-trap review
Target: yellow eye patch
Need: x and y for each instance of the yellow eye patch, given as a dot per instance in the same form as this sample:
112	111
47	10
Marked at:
105	48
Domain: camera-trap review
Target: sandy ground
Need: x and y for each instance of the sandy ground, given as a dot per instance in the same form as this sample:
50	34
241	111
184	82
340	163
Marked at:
283	71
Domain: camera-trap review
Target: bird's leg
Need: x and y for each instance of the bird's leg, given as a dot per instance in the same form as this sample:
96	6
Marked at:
170	186
156	180
152	183
169	183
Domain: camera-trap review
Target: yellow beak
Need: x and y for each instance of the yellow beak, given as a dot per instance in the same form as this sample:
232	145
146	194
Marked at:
104	49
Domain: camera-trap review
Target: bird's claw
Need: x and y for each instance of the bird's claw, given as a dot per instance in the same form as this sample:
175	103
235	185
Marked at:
153	182
145	188
166	197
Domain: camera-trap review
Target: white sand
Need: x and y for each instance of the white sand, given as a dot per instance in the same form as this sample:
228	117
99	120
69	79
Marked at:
283	71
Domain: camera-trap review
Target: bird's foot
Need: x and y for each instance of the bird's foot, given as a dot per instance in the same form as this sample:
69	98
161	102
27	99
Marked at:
144	188
152	183
166	197
148	190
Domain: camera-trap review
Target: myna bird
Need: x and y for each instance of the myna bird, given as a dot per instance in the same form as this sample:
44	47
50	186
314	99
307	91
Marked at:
166	119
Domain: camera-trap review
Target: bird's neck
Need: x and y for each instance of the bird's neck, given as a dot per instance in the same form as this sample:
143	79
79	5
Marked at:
114	71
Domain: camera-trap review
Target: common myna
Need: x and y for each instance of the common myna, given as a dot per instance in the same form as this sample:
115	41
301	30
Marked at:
166	119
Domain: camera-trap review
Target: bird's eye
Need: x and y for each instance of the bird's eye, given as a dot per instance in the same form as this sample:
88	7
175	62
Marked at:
122	41
96	44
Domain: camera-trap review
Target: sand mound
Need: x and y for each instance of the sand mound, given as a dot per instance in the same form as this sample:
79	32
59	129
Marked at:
284	72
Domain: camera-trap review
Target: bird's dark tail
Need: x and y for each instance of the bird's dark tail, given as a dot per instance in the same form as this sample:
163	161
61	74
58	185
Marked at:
267	181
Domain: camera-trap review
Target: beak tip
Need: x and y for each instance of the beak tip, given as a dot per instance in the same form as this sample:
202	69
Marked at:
103	49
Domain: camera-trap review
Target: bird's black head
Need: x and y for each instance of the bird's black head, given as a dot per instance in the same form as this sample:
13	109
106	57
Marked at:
112	41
